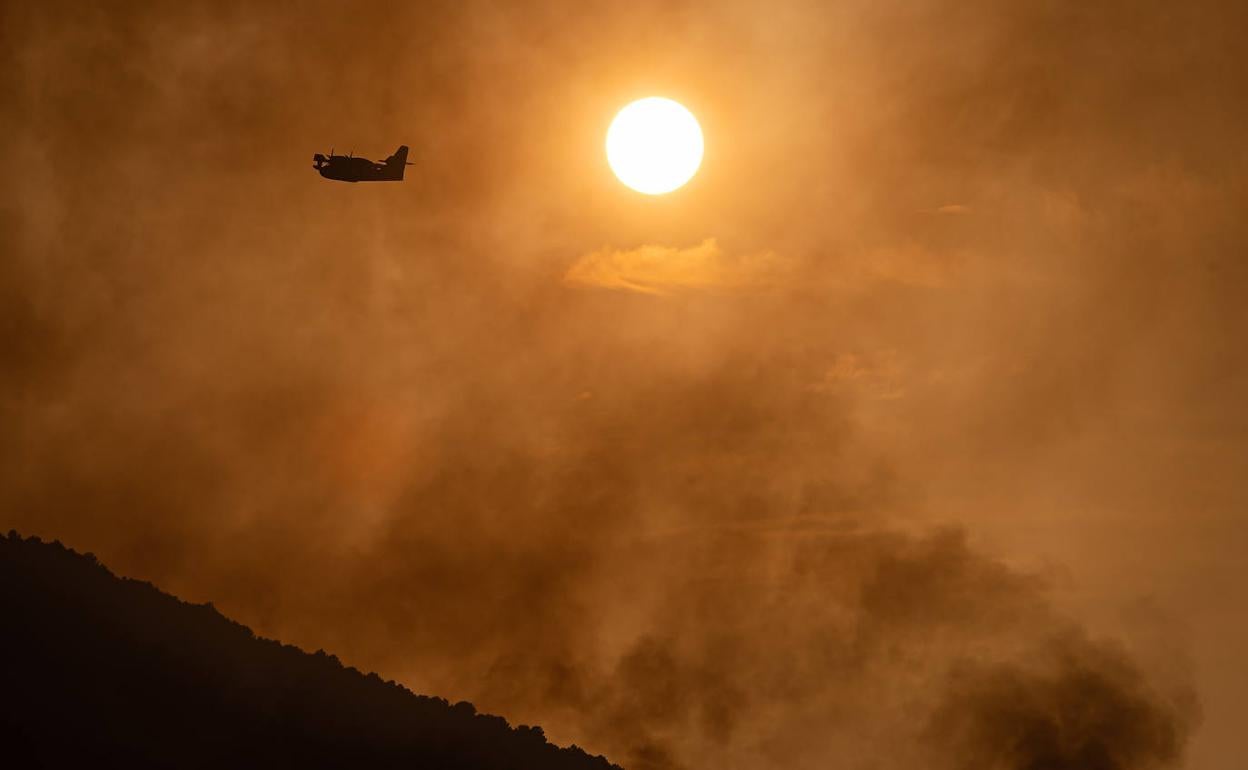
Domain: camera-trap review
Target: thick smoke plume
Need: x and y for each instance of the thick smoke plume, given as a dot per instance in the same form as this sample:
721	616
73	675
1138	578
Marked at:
1077	706
948	396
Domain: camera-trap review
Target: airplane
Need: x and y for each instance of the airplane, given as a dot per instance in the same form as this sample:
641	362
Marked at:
348	168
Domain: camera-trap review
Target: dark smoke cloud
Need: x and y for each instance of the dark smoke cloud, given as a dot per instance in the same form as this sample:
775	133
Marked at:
807	501
1077	705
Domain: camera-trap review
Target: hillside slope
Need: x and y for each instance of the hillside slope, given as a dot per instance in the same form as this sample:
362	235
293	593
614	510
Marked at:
110	671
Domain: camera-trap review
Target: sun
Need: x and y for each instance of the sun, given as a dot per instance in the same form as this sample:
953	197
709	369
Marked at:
654	145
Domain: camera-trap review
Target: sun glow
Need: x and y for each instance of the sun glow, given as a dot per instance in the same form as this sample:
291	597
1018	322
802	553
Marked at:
654	145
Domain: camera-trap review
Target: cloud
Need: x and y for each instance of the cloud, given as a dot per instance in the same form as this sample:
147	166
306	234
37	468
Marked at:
952	209
657	269
877	375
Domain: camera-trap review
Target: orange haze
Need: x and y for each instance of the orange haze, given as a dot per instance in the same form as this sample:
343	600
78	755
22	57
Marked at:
917	416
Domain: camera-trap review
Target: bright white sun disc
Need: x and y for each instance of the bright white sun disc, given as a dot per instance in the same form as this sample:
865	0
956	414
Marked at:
654	145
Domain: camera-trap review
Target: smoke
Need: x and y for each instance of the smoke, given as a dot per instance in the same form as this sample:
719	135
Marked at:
869	478
1077	705
663	269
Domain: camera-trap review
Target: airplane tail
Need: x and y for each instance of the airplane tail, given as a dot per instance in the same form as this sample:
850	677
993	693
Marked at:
397	162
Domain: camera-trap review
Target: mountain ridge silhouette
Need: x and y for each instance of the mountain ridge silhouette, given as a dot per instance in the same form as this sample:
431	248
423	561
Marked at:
101	669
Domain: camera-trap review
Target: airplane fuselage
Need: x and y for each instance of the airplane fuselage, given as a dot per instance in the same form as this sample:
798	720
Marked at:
347	168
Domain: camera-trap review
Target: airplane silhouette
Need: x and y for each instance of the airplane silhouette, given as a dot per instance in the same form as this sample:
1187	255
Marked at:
348	168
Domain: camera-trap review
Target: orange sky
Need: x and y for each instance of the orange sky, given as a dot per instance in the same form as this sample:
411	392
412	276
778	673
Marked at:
930	383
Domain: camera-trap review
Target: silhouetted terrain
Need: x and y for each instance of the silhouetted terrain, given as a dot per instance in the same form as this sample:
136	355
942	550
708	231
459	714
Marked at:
101	671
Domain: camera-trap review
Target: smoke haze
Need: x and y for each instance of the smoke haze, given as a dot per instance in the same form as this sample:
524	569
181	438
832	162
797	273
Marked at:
910	433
